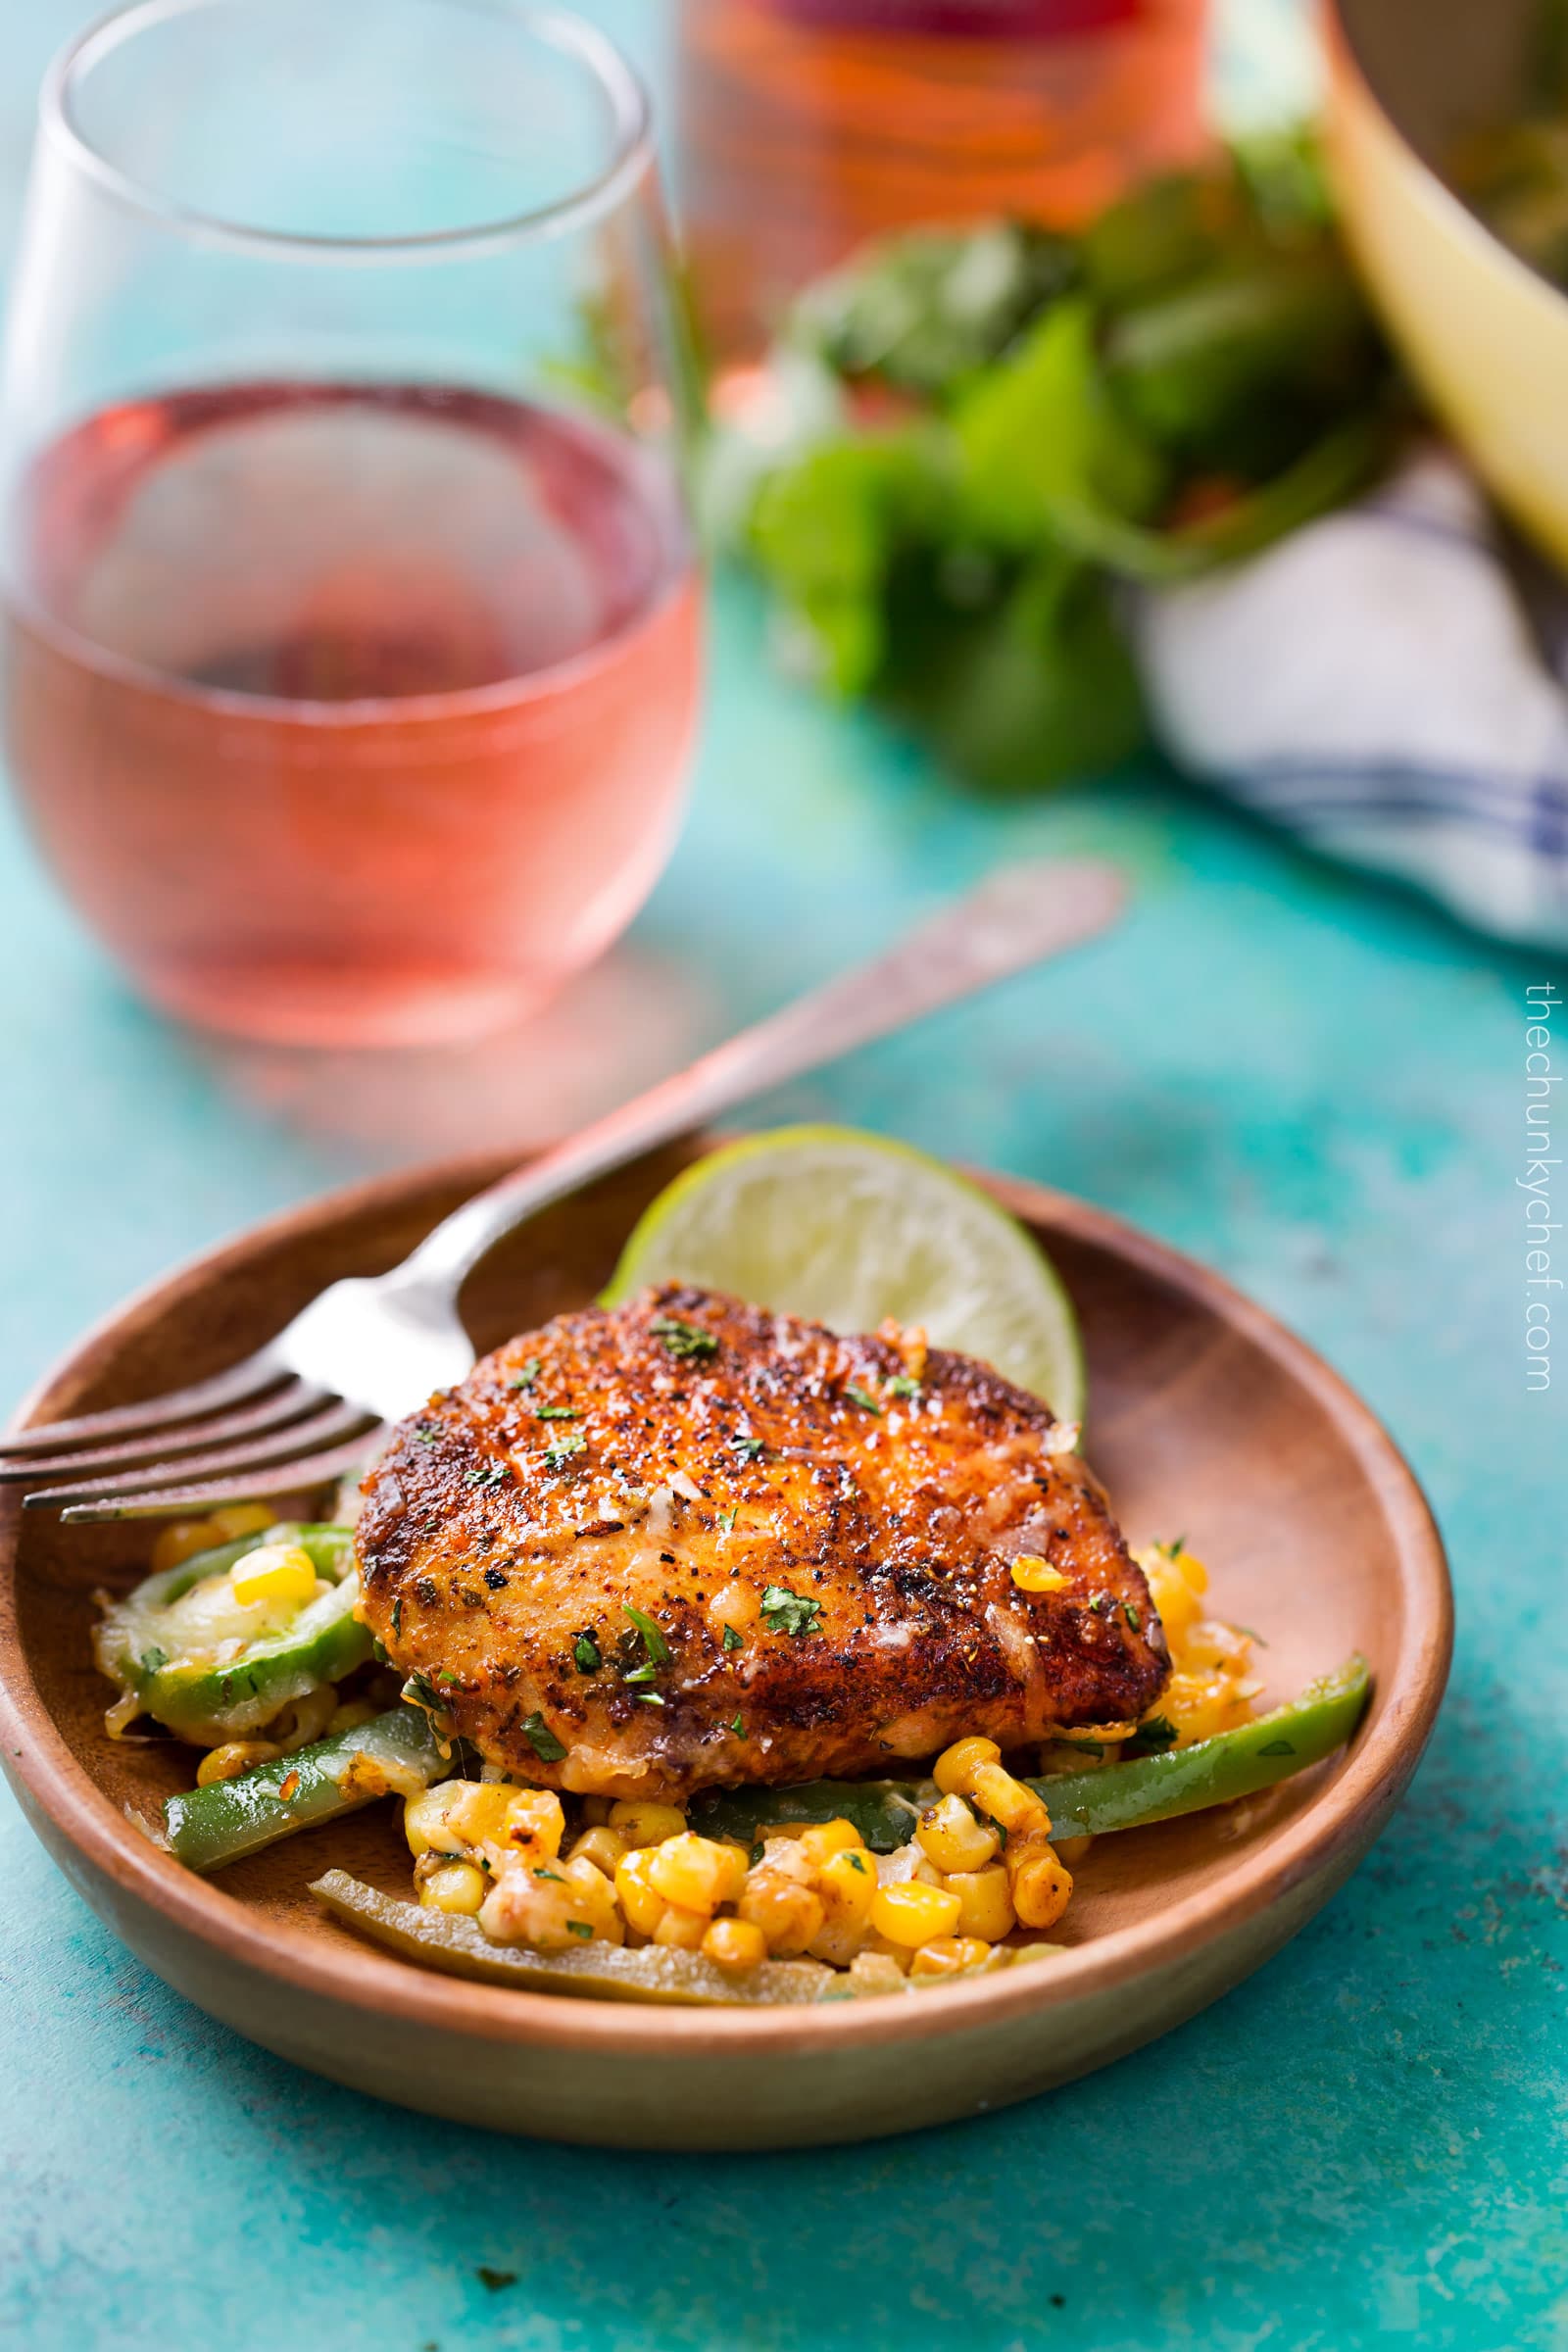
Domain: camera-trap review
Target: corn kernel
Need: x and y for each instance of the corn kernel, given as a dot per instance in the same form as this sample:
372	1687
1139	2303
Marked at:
951	1836
640	1900
1040	1884
1032	1574
349	1716
425	1825
985	1903
595	1812
829	1837
696	1872
912	1914
600	1846
734	1944
237	1519
180	1540
1071	1851
945	1955
846	1889
1002	1798
684	1930
952	1769
789	1914
455	1886
533	1824
642	1822
233	1757
279	1573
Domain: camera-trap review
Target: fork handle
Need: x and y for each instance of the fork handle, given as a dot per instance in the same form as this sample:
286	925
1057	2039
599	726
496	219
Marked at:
1017	917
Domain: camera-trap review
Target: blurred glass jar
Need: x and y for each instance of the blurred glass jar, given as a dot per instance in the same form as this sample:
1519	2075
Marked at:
809	126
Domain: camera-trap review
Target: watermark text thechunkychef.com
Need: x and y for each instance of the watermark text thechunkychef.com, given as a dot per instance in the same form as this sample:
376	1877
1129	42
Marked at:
1540	1001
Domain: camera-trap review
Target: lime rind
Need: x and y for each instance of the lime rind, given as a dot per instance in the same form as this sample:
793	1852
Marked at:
845	1228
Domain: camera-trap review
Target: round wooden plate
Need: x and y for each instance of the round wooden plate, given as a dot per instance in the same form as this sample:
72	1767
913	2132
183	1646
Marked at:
1207	1420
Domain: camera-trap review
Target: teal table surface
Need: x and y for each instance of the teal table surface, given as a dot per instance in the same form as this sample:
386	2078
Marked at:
1313	1083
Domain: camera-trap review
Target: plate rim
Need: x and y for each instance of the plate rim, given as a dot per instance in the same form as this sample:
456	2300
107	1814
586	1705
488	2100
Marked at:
1364	1788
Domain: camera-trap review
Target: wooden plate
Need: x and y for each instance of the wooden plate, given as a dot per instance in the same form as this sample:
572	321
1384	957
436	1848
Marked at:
1208	1419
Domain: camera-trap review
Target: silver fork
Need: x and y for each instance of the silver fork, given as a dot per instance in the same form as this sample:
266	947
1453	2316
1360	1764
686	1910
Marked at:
311	1403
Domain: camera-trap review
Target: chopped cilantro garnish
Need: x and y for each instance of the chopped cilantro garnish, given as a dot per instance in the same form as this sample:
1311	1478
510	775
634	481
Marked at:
586	1655
488	1474
554	1874
1156	1730
902	1384
397	1614
862	1398
750	1449
738	1727
560	1450
855	1863
425	1433
1102	1605
651	1699
1131	1615
421	1691
654	1642
640	1674
579	1927
683	1338
556	1412
733	1639
444	1675
152	1659
527	1376
790	1612
726	1520
542	1740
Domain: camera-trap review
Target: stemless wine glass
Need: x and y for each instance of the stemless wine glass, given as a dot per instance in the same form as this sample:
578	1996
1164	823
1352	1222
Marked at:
352	612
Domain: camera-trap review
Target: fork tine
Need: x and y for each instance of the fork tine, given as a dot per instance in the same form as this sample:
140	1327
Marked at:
281	1478
288	1403
260	1371
278	1447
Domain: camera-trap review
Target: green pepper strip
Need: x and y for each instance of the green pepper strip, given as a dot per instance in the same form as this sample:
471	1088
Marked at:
329	1643
217	1825
1119	1797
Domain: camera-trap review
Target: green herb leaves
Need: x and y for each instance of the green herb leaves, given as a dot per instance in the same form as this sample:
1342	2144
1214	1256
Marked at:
733	1639
556	1412
542	1740
560	1451
862	1398
787	1612
527	1376
586	1655
493	1473
153	1661
904	1384
683	1340
1154	1733
654	1642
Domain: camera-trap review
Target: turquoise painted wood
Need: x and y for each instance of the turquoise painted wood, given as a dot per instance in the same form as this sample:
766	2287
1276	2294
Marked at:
1313	1083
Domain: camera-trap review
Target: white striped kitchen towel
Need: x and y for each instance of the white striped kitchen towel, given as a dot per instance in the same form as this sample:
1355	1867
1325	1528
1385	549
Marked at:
1392	685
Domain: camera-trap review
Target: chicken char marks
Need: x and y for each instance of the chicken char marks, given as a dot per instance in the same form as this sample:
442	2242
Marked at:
820	1529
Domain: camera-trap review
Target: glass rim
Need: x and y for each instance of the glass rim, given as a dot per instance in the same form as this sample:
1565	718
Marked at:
554	28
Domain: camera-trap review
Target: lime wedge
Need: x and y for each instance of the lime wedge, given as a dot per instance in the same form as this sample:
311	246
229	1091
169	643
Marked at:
845	1228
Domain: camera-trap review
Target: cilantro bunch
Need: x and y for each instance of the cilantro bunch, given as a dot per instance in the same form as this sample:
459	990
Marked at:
998	430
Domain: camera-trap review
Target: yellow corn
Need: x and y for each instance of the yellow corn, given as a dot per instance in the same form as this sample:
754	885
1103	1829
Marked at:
912	1914
951	1836
985	1903
595	1811
828	1837
234	1756
590	1897
845	1888
640	1900
1072	1851
1040	1884
1002	1798
350	1715
954	1766
237	1519
641	1822
1199	1706
534	1824
1175	1587
279	1573
455	1886
425	1825
180	1540
1032	1574
685	1929
696	1872
945	1955
734	1944
789	1915
601	1848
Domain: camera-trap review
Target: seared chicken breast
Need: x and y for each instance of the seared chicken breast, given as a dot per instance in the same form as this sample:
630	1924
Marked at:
691	1543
